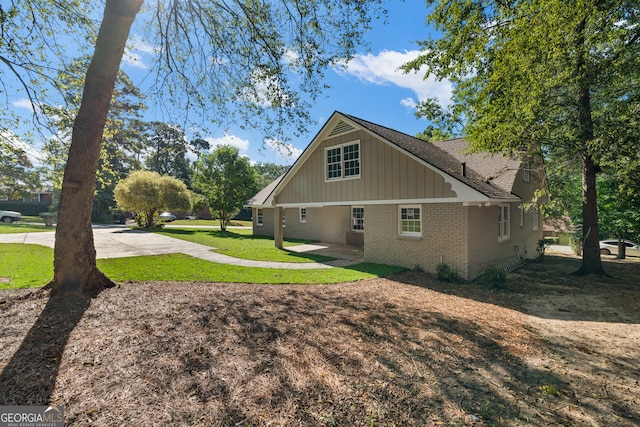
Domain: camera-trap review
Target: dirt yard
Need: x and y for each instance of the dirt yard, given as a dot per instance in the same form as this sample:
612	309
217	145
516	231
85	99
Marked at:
551	350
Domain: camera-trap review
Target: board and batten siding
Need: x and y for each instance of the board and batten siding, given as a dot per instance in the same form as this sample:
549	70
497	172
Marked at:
385	174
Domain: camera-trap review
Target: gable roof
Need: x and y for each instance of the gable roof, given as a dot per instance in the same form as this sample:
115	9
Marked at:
491	174
263	197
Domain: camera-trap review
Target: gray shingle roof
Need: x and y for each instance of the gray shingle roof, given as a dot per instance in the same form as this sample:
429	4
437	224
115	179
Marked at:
490	174
261	198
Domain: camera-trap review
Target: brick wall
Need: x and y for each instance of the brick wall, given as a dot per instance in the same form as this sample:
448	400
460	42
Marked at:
444	238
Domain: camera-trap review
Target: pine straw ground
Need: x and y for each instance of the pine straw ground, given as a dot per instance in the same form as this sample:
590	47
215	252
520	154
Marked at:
402	351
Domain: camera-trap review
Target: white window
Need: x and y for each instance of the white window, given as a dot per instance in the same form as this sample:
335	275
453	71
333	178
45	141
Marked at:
503	222
343	161
357	218
410	221
521	209
284	218
303	215
259	217
334	163
535	213
526	171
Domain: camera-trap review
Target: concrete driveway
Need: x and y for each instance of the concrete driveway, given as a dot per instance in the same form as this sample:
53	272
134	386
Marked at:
119	241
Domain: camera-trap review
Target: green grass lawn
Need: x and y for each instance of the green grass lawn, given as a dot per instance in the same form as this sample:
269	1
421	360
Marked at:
23	227
26	266
208	222
243	244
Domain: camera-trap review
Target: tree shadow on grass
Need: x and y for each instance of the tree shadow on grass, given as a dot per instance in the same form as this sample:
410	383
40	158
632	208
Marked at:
30	376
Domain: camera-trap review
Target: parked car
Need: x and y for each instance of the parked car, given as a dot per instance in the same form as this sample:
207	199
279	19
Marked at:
167	216
10	216
610	247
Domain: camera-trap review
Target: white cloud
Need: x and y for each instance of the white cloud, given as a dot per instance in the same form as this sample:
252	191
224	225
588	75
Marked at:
134	52
133	59
241	144
383	69
409	102
23	103
286	151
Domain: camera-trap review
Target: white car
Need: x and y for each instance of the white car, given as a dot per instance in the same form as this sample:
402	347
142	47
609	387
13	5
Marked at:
167	216
610	247
10	216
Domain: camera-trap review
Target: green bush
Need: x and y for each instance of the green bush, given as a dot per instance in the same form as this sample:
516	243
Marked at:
48	218
444	273
493	278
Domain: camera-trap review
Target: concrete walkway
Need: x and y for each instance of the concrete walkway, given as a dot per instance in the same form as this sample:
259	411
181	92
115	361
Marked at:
119	241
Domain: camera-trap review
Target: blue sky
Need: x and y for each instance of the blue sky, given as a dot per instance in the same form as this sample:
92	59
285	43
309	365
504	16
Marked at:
370	87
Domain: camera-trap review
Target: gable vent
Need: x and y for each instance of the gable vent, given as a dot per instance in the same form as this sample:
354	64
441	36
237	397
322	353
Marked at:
341	127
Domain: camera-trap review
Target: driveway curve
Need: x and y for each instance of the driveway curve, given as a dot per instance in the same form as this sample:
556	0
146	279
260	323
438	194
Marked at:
120	241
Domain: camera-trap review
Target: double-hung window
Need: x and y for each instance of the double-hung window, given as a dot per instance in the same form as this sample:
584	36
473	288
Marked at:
357	218
259	217
303	215
535	213
343	161
410	220
503	222
526	171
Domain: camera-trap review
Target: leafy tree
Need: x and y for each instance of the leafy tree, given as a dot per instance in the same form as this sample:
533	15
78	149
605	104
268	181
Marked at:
199	146
17	174
258	61
542	77
147	193
122	138
226	180
267	172
167	151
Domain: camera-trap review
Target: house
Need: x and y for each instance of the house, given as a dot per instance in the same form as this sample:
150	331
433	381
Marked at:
405	201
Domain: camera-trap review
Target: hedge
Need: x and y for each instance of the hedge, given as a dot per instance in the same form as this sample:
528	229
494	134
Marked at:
25	208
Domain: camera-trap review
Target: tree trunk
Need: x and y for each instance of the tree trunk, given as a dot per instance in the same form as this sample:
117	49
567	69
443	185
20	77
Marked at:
591	262
75	269
622	248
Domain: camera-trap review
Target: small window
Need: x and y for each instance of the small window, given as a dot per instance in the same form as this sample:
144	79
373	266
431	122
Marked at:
410	221
503	222
526	171
521	209
303	215
535	212
343	161
357	218
259	217
284	218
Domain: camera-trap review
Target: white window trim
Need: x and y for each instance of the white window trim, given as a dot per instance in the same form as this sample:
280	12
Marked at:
342	162
521	209
353	219
259	217
302	218
526	171
501	221
535	213
409	233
